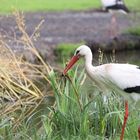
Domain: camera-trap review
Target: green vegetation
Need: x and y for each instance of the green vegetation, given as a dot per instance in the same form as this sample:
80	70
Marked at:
47	5
57	5
62	51
83	115
134	31
133	5
78	113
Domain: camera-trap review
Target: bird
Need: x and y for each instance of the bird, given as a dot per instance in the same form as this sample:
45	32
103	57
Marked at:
114	6
125	77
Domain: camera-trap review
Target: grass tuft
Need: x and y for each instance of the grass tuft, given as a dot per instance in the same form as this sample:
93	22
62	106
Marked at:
96	116
134	31
20	93
62	51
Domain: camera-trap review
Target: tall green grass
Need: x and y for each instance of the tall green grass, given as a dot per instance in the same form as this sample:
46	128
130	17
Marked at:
77	115
79	112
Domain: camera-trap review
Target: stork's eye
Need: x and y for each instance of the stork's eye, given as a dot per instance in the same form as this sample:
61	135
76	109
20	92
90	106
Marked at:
77	52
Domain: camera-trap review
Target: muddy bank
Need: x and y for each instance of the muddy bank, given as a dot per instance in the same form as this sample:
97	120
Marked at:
121	43
73	27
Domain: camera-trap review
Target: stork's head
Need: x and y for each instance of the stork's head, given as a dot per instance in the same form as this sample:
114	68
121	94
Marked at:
81	51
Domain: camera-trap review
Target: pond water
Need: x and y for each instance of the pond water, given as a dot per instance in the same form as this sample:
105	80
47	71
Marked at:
131	57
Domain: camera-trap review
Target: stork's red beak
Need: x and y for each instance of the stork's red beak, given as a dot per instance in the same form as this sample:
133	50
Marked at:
73	60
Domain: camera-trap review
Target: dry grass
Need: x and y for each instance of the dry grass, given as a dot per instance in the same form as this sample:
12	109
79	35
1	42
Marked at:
18	90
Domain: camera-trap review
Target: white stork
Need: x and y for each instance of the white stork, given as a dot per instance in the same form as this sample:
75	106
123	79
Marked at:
114	6
124	76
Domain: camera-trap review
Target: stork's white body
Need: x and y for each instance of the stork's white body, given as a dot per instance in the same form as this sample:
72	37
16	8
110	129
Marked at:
123	76
115	6
108	2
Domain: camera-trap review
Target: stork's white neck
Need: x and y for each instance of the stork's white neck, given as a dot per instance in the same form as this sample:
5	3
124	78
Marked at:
88	61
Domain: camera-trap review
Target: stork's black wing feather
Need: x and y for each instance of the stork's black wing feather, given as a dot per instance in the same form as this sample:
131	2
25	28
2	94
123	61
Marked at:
135	89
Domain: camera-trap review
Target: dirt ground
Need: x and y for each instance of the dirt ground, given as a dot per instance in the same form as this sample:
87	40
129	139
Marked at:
68	27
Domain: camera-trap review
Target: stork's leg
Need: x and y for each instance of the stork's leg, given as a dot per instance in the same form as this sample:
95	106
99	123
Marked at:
139	132
125	120
114	27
